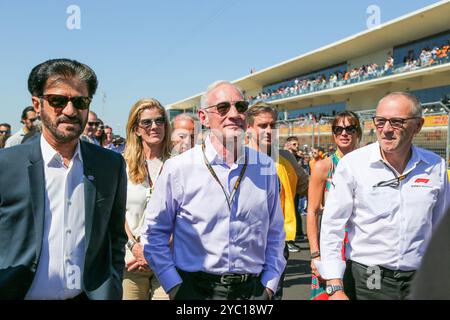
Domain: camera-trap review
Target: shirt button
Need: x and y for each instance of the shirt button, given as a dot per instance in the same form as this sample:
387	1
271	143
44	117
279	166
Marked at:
68	231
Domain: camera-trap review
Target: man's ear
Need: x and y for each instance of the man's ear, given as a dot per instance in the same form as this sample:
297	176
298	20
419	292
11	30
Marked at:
36	104
203	116
419	126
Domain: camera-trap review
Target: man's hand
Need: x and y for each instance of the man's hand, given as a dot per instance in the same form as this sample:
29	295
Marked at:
173	292
138	263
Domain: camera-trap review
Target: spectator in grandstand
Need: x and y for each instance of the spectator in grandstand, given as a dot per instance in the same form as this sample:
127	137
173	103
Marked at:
29	118
390	194
64	214
261	119
347	133
91	129
184	132
220	201
147	148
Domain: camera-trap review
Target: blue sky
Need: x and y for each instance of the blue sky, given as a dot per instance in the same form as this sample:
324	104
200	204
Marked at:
170	49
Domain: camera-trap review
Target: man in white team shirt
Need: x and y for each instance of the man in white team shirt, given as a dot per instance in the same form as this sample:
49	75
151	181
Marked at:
391	196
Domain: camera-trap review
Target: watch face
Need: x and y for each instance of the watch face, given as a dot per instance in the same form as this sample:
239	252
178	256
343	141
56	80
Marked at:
329	290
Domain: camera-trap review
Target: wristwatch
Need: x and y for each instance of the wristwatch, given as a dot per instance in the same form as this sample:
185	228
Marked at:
130	244
330	290
315	254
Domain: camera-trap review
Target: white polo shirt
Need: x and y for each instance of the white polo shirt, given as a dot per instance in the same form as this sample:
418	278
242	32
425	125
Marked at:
387	226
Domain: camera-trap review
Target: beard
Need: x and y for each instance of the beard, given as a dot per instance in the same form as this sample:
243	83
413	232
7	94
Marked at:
67	135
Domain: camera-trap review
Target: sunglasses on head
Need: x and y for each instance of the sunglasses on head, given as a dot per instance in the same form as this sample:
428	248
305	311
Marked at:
349	129
224	107
60	101
147	123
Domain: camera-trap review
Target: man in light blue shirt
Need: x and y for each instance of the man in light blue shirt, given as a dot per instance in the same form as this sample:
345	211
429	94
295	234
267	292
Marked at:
220	202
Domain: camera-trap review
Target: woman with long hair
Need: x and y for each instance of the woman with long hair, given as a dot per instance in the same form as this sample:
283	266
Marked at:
147	148
347	133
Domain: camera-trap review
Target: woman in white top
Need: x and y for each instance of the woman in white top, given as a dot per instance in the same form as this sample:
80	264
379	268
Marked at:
147	147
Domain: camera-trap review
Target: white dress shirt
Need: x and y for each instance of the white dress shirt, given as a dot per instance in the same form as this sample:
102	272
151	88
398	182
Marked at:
387	226
59	274
208	236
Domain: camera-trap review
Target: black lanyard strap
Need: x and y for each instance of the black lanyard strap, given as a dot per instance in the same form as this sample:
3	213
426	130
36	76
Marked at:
236	185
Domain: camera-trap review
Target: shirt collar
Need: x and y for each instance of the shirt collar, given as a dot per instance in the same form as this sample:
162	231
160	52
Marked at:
416	156
49	154
213	157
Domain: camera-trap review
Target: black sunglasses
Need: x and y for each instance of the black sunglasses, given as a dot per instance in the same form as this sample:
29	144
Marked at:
147	123
337	130
5	132
60	101
224	107
93	123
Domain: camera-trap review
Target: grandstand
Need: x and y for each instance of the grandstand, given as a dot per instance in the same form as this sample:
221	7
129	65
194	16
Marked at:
410	53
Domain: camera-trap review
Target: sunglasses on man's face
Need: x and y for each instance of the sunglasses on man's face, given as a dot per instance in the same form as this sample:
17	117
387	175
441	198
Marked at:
5	132
224	107
60	101
349	129
93	123
148	123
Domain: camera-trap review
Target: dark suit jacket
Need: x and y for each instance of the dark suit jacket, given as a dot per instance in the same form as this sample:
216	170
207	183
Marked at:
22	190
432	281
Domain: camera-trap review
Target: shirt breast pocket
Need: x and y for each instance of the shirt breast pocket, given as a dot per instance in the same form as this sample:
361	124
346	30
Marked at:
378	202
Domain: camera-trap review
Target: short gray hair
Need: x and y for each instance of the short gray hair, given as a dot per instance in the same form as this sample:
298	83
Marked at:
416	107
211	87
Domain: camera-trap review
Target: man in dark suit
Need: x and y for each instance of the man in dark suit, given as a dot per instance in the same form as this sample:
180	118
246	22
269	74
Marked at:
62	201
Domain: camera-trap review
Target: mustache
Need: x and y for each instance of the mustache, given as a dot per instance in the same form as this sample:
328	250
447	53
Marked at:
66	119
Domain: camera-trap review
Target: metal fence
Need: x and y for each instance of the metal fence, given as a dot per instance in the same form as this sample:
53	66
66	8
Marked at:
434	136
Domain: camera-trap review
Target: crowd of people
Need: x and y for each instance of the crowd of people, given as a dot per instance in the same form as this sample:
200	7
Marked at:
304	85
175	212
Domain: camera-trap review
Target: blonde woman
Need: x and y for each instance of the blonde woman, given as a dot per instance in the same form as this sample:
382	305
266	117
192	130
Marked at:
148	146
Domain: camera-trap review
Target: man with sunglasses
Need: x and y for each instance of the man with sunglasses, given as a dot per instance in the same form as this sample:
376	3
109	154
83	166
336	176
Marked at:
220	201
391	195
63	211
28	120
5	130
92	125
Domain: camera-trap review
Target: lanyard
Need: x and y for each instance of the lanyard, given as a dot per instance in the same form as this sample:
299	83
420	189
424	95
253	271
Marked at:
236	185
395	182
149	179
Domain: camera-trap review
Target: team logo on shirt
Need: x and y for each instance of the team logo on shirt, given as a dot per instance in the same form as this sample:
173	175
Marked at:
421	183
421	180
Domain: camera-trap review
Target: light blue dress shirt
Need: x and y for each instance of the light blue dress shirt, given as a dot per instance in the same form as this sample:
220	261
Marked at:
208	236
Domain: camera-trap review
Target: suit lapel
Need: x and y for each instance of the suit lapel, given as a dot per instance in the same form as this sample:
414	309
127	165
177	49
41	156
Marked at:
89	192
37	192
